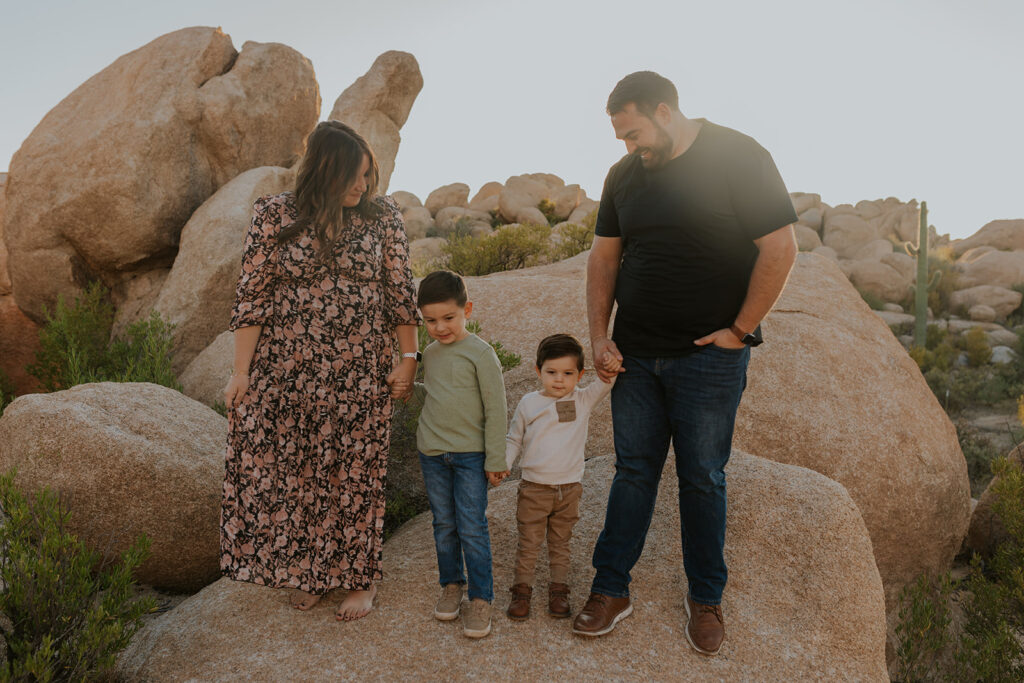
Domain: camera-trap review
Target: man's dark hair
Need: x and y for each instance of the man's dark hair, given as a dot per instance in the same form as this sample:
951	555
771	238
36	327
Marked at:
559	346
646	90
441	286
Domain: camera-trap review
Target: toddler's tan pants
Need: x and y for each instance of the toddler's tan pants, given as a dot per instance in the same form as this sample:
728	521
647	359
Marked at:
551	511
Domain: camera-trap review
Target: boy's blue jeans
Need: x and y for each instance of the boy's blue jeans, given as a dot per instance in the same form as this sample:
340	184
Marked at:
690	401
457	491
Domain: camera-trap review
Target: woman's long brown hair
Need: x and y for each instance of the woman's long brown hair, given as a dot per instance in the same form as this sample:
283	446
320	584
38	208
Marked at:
334	155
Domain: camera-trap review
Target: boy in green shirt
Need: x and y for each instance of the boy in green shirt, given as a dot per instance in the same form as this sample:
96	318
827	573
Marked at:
461	440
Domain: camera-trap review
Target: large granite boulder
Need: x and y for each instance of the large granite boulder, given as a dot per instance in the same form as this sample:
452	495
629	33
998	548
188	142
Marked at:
205	377
1000	234
5	277
833	390
199	292
19	336
104	184
377	105
804	601
128	459
1000	299
878	279
998	268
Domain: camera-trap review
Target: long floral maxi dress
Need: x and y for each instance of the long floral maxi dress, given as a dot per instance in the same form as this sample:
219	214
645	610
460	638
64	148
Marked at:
303	499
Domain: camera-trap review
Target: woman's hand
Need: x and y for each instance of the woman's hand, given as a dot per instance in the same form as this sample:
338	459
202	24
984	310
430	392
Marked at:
401	378
237	386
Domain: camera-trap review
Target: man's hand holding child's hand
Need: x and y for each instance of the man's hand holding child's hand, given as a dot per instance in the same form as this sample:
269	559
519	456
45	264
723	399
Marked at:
495	478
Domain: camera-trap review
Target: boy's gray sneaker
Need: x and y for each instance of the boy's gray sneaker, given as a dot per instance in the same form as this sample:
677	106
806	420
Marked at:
447	607
476	619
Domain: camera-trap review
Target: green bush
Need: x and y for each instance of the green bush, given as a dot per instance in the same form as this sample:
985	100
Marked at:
73	341
976	344
979	454
547	207
71	609
870	299
510	247
76	346
571	239
988	645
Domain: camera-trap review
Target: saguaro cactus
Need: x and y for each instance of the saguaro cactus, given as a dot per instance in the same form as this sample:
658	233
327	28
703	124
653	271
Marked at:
923	284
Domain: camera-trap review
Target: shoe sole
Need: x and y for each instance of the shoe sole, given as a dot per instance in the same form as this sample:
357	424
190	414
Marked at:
559	615
706	653
476	634
618	617
517	618
446	616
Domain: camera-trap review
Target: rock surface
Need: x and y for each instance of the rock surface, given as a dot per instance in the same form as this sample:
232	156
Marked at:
19	341
804	602
1000	234
205	377
103	185
999	268
129	459
377	105
832	390
200	290
1000	299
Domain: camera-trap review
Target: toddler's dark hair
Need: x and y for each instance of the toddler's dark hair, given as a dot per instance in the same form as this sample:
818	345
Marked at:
559	346
441	286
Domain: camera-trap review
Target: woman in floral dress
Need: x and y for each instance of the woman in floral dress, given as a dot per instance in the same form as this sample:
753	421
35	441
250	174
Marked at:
324	289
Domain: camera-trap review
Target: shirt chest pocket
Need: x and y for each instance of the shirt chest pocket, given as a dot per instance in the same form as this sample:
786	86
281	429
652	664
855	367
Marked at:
463	374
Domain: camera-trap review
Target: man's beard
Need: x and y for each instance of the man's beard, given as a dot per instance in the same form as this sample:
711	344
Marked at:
660	151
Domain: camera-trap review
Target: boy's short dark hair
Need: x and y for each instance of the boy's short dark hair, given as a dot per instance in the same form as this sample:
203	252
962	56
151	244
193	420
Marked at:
646	90
559	346
441	286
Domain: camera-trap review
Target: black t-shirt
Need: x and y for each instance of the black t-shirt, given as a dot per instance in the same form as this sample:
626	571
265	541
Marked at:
688	231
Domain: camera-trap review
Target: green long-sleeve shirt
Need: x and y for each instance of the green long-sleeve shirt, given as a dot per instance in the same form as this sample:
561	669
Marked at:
463	396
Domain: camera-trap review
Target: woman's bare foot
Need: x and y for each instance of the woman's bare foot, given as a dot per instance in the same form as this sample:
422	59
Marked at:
304	601
355	605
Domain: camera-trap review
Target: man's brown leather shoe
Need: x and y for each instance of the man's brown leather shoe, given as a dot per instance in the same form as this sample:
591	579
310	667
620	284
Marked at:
600	614
519	608
558	600
705	627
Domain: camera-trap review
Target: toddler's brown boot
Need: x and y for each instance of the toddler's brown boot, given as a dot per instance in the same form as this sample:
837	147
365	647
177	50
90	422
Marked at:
519	608
558	600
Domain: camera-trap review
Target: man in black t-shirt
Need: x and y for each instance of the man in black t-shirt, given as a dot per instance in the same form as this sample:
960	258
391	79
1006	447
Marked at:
694	242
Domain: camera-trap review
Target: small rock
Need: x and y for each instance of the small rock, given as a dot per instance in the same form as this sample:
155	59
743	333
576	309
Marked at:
981	313
894	308
1001	355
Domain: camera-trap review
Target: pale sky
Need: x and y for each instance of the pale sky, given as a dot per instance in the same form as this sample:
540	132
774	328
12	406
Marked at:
859	100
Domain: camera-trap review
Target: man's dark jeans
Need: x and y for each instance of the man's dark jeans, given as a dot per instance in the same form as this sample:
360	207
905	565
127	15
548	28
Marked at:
690	401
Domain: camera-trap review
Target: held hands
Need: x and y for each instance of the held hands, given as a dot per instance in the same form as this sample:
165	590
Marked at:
723	338
495	478
607	360
236	387
401	378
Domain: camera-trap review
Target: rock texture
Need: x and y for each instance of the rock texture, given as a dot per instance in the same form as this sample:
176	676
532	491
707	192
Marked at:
1001	300
200	290
205	377
19	336
129	459
103	185
804	602
1001	234
833	390
377	105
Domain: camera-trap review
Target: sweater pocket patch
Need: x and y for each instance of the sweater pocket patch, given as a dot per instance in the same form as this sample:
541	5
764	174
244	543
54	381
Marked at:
566	410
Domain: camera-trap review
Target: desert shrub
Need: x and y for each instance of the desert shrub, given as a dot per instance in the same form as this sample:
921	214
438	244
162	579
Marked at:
922	629
73	341
510	247
976	345
990	644
71	609
949	281
1017	316
979	452
873	301
400	508
6	391
571	239
76	346
220	407
547	207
